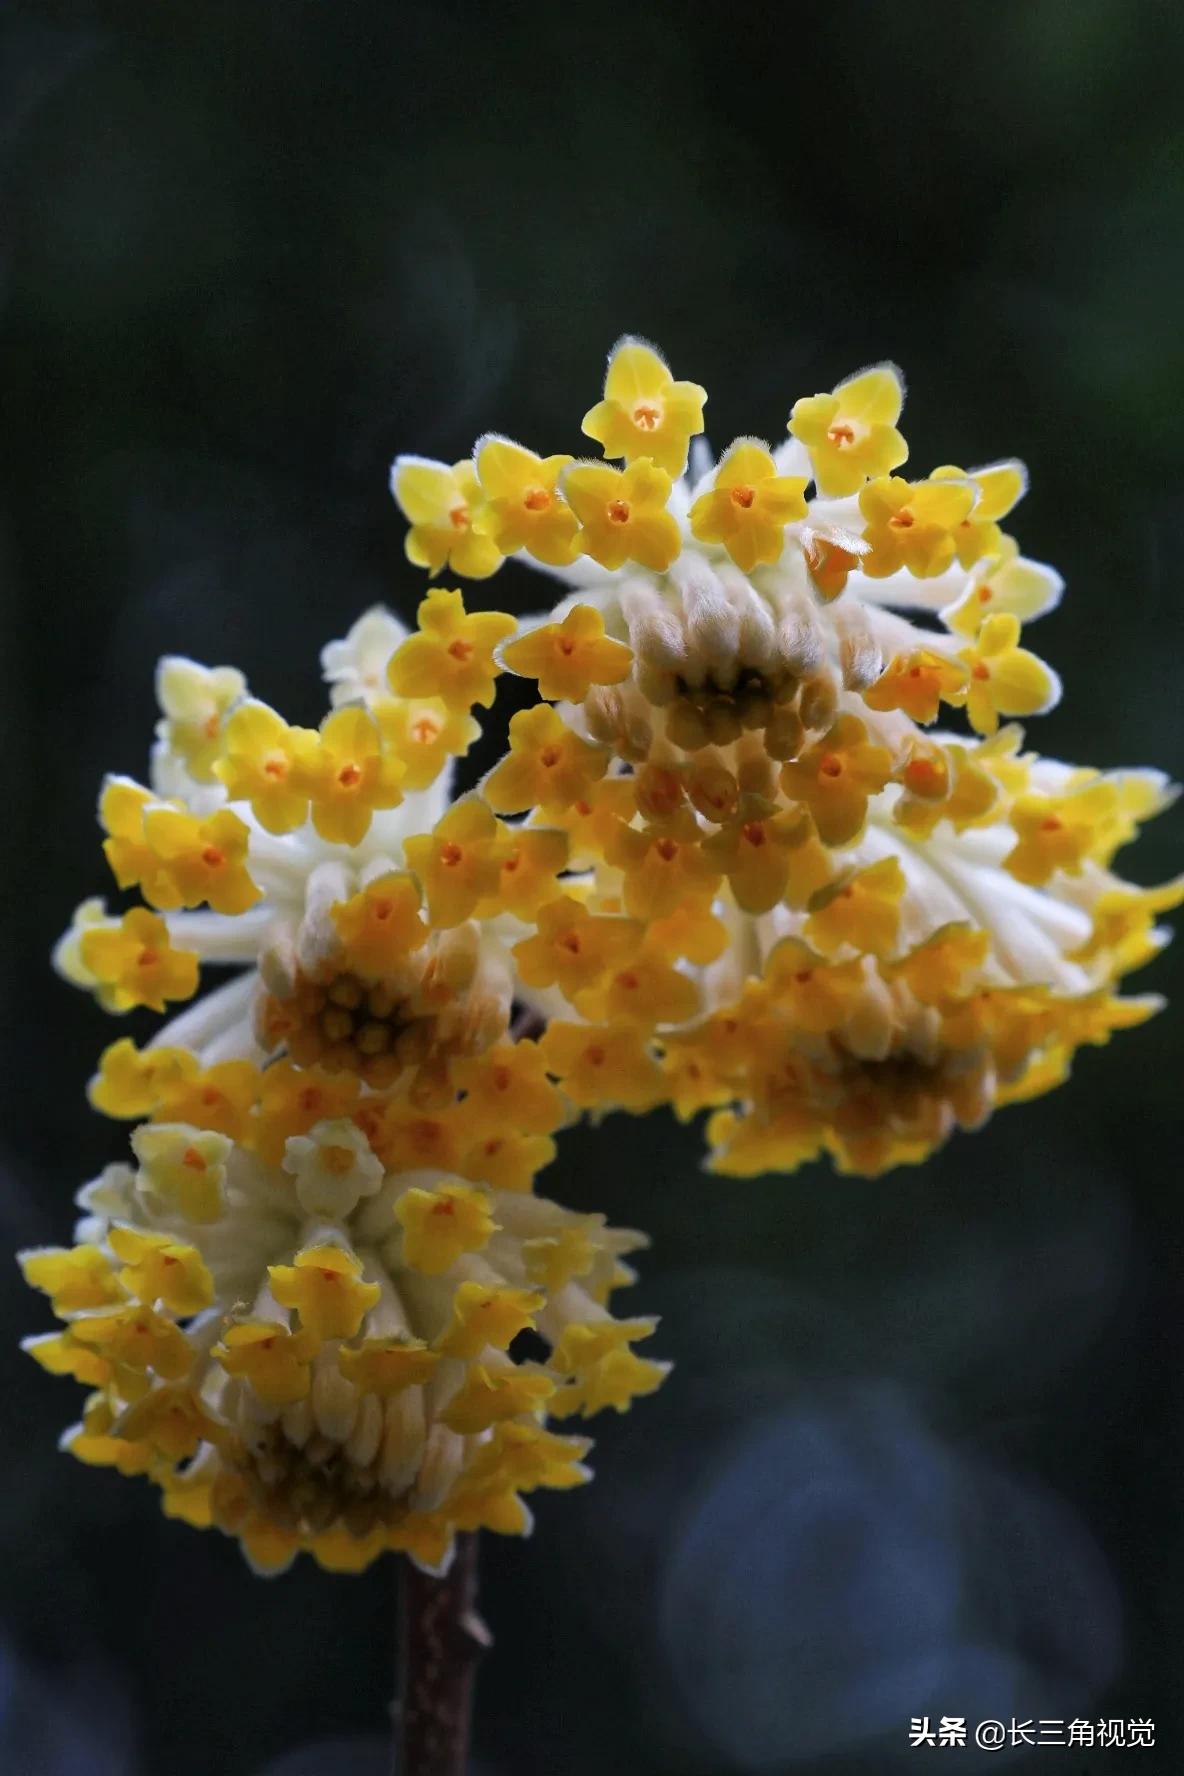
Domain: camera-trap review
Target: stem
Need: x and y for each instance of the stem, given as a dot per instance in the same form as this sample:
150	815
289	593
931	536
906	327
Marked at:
441	1639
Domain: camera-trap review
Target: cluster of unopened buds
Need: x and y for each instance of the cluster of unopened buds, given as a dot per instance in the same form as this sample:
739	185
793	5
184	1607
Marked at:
726	865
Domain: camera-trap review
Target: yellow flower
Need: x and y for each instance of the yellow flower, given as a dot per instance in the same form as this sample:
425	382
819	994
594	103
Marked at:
1005	679
171	1420
424	733
507	1160
862	910
451	656
748	505
507	1088
75	1278
755	852
60	1353
459	863
292	1100
1000	486
438	1225
664	864
523	506
1058	832
324	1286
912	525
195	701
139	1339
812	993
158	1268
268	764
221	1098
548	766
1124	924
605	1371
488	1396
532	858
205	860
645	991
573	948
380	926
569	657
1026	589
946	784
134	962
851	433
386	1366
916	682
938	968
441	504
184	1166
645	412
129	1080
622	513
122	806
275	1360
351	775
835	777
602	1066
484	1316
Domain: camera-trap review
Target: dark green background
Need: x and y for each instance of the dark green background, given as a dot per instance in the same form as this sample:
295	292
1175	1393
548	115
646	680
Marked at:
921	1452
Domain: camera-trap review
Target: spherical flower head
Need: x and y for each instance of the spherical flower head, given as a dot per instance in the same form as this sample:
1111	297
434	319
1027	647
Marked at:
325	1363
763	773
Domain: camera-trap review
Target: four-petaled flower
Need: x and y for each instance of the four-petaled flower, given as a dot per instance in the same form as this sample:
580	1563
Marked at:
645	412
441	504
748	505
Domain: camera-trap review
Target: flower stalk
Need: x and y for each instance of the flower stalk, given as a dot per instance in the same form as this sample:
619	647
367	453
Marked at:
441	1640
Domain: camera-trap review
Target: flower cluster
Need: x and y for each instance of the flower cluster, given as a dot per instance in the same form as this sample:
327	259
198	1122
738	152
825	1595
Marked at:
726	864
791	900
324	1308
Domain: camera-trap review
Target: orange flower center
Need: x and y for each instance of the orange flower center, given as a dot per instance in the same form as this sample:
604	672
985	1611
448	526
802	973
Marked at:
830	765
743	496
349	775
841	433
459	517
618	511
536	499
450	855
647	415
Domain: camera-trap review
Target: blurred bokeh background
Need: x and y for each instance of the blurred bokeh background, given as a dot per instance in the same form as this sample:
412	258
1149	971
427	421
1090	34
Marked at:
921	1453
